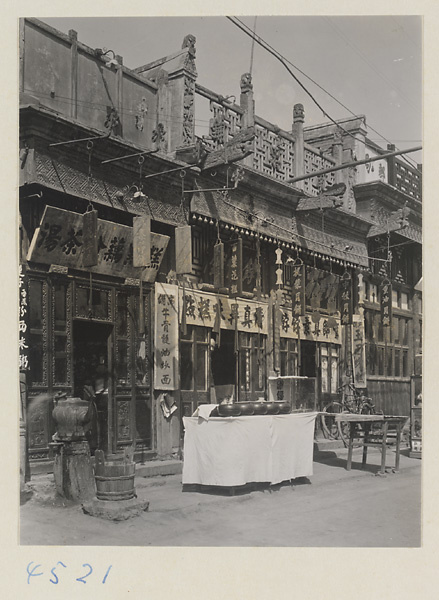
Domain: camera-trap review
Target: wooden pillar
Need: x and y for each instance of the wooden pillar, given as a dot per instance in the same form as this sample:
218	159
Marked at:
247	103
299	151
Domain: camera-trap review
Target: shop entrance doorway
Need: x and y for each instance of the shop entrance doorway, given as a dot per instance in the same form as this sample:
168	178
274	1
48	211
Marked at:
308	366
223	366
92	377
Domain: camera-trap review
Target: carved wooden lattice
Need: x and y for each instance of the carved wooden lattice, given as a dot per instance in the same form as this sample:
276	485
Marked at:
224	125
316	162
273	154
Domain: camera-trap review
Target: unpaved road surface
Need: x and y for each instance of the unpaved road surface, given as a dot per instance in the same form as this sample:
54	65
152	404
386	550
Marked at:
333	508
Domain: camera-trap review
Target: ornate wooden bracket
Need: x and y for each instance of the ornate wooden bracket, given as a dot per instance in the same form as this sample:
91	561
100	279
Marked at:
237	149
332	197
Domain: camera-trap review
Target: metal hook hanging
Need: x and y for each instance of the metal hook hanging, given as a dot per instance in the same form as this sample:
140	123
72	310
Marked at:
140	162
218	237
90	150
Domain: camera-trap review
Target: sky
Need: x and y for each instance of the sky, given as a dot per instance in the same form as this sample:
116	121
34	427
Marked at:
372	64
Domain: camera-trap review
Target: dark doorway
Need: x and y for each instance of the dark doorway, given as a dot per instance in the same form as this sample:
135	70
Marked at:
91	376
308	367
223	365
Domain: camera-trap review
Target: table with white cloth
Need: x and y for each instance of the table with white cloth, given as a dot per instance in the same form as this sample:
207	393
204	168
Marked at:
234	451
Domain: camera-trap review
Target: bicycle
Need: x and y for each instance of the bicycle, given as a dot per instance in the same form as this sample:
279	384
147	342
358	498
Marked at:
352	401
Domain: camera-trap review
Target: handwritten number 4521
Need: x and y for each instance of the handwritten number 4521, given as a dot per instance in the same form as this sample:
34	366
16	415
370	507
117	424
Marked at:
32	571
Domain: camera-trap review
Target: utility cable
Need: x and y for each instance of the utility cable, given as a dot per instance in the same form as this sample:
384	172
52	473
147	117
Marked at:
281	59
269	48
366	60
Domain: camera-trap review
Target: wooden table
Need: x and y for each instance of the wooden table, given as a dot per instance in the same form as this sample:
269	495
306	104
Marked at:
378	431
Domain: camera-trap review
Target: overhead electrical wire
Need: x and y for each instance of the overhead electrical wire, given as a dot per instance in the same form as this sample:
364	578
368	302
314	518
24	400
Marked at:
281	59
367	61
284	60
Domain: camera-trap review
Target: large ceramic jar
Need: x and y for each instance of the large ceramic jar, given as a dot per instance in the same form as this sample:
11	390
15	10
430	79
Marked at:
272	408
72	416
229	410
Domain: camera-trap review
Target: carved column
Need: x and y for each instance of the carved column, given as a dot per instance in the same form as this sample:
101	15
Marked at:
246	101
299	154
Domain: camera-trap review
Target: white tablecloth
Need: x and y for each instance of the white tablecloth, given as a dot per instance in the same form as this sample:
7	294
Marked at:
234	451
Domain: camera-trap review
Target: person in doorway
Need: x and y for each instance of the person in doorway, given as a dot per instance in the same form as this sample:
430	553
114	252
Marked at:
96	392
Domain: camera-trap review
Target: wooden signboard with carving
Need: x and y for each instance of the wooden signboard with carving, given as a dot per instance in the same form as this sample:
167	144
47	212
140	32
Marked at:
60	240
237	149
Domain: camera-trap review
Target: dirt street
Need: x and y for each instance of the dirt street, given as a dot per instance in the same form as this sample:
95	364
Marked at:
333	508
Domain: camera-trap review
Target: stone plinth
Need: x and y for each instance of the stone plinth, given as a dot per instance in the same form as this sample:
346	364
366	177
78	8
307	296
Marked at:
119	510
73	471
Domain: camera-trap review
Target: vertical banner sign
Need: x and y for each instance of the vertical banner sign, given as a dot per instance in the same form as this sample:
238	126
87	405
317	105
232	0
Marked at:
358	352
141	241
235	269
23	322
346	303
90	238
183	250
298	290
166	337
218	265
386	302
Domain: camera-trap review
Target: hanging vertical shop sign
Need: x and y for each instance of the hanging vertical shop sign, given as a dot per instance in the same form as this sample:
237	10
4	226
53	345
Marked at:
166	337
90	236
183	250
346	300
23	322
358	352
234	271
218	265
141	241
298	290
386	302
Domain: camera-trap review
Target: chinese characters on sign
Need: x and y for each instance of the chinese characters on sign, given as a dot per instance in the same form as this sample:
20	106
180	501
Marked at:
358	352
60	240
325	329
386	303
298	290
234	270
216	311
23	343
166	337
346	300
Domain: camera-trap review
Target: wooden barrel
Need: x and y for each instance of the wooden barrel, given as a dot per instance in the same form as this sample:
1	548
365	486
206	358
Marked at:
114	479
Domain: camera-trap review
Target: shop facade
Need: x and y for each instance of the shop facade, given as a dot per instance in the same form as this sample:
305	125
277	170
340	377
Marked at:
167	270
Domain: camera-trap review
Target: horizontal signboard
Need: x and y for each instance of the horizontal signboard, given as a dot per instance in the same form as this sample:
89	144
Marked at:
60	240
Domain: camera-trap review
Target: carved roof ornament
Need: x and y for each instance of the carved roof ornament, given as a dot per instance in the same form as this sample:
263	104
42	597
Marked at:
338	136
189	43
246	83
298	113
